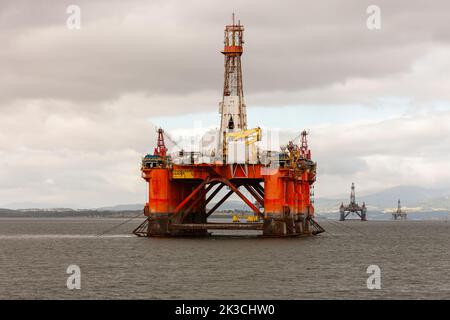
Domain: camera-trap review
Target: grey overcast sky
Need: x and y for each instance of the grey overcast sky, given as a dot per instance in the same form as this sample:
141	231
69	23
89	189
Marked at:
78	107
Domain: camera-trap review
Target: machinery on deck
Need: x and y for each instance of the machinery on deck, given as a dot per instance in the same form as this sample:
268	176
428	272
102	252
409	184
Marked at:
279	182
159	158
400	213
353	207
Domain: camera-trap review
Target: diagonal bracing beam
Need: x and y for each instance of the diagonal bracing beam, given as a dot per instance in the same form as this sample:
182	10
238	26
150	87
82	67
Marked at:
190	196
255	194
236	190
218	204
215	192
196	201
258	188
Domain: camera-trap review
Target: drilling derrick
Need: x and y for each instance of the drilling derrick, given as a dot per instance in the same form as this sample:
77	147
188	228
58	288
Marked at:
234	145
232	107
400	213
353	207
180	194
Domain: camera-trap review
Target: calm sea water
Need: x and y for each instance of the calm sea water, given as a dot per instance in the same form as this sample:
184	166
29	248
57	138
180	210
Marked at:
414	257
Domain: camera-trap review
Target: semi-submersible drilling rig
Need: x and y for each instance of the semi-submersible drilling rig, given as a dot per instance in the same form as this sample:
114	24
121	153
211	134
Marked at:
353	207
179	192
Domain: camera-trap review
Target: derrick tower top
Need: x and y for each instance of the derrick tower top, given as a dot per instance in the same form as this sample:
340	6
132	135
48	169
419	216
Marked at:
399	207
352	194
232	107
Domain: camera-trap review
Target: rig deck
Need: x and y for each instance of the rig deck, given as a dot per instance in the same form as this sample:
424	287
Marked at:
179	195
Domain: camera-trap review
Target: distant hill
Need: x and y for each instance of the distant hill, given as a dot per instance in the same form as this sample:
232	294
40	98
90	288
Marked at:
122	207
7	212
231	205
35	206
410	196
435	203
414	199
30	205
56	213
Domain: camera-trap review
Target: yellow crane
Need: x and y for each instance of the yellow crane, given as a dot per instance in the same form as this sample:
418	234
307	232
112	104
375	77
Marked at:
250	136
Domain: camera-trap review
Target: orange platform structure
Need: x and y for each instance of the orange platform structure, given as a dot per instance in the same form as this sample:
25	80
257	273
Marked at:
182	195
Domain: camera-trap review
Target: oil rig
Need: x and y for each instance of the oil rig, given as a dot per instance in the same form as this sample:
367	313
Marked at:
400	213
181	186
353	207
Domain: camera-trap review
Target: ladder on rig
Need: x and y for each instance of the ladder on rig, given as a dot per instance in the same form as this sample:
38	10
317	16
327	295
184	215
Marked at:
316	227
141	230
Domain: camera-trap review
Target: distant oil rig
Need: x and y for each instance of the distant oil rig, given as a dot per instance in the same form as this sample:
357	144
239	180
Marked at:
353	207
400	213
181	186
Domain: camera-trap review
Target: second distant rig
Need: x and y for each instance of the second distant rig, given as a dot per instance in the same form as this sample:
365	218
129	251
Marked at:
361	211
281	182
353	207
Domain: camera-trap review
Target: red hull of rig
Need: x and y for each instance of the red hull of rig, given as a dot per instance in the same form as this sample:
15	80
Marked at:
179	194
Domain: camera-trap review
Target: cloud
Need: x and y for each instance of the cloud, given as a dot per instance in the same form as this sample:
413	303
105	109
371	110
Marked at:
67	159
408	150
171	48
76	106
